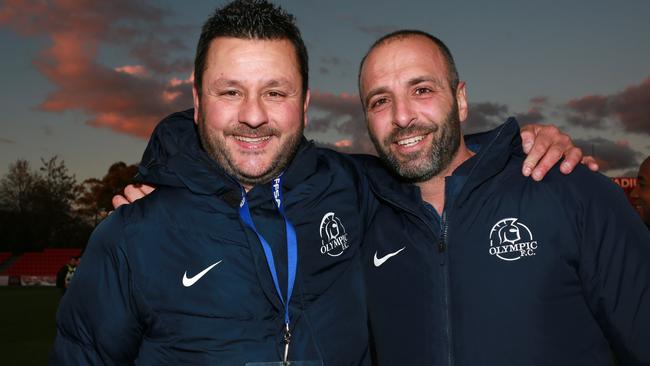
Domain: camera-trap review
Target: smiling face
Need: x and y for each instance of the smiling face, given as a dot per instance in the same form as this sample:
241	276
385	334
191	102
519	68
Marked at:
412	112
251	110
641	193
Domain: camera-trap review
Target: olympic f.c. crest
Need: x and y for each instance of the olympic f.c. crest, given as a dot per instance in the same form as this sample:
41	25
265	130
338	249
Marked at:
334	239
511	240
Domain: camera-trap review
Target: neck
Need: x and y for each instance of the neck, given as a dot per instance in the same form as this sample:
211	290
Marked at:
433	190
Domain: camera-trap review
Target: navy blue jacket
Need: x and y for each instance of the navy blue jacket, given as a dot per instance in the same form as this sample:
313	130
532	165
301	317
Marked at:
514	272
128	303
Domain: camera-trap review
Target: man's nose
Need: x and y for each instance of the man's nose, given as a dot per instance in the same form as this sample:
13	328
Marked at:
253	112
403	113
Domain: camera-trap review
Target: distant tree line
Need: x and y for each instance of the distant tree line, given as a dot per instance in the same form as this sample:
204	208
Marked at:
46	207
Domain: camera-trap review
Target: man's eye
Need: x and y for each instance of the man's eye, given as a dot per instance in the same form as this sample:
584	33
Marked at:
378	103
230	93
275	94
420	91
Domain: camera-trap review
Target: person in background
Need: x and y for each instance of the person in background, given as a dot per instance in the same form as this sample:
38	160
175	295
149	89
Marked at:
641	193
65	273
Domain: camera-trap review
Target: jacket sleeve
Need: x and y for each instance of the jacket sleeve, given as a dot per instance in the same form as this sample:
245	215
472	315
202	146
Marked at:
97	320
615	269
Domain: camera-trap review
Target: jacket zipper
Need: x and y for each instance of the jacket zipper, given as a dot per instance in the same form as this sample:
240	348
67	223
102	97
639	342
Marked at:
444	264
442	249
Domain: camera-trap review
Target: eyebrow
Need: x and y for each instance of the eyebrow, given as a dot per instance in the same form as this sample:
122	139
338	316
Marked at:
411	82
221	82
422	79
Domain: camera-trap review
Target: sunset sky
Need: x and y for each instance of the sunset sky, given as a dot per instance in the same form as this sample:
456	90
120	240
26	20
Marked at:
88	80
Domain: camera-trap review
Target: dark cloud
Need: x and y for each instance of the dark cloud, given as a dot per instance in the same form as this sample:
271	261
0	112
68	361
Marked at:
341	115
588	111
319	124
6	141
632	107
533	115
339	105
629	108
485	116
610	154
329	63
126	98
155	53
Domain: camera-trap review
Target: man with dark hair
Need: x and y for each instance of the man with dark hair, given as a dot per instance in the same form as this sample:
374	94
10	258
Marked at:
269	22
207	269
248	251
641	193
473	264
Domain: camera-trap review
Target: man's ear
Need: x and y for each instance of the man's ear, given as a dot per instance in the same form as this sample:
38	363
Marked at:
197	100
305	107
461	99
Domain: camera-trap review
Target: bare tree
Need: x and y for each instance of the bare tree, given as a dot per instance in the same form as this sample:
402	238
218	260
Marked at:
17	186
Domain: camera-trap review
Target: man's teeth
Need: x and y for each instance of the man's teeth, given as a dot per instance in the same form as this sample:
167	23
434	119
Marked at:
252	140
410	141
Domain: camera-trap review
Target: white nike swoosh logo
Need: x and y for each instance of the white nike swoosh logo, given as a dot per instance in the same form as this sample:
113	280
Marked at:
379	261
187	282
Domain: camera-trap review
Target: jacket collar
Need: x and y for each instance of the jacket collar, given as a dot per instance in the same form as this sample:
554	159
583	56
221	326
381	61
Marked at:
493	151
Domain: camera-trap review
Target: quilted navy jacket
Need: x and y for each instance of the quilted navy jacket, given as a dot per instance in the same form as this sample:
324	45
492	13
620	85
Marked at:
514	272
130	304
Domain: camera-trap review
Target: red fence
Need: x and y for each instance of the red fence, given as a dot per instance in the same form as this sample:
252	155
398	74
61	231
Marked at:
4	256
45	263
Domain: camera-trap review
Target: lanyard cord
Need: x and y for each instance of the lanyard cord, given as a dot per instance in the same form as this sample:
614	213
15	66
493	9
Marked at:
292	244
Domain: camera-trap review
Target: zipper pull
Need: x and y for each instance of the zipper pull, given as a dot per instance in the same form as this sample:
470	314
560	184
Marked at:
442	246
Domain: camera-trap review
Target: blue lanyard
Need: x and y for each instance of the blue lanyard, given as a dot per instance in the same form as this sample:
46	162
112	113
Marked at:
292	244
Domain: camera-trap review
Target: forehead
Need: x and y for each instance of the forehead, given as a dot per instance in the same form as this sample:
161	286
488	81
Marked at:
252	57
404	57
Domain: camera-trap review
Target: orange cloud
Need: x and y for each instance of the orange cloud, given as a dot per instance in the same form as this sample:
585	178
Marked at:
117	97
343	143
135	70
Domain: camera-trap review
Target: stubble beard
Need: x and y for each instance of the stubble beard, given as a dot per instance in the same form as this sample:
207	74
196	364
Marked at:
429	163
216	150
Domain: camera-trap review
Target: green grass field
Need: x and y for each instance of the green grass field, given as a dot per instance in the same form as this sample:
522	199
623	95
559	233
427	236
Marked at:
27	325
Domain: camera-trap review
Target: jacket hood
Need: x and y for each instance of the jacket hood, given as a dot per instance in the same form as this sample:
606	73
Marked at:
494	149
175	157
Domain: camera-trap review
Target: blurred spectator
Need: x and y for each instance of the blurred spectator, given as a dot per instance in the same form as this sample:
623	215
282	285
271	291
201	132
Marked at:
641	193
64	275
